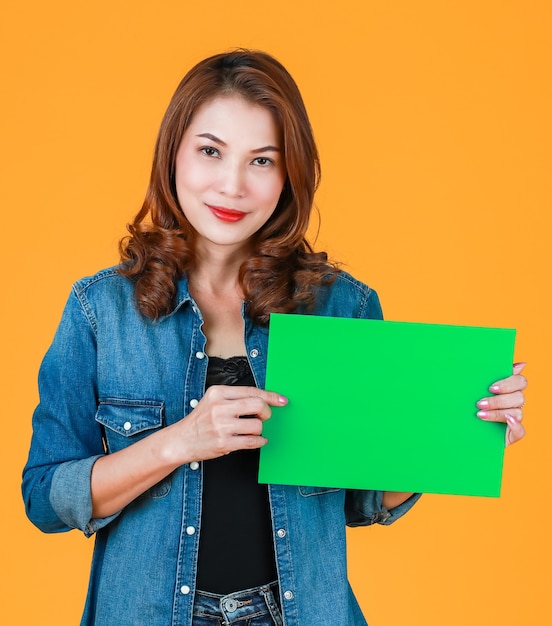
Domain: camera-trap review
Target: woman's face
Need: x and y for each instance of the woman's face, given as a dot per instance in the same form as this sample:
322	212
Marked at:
229	171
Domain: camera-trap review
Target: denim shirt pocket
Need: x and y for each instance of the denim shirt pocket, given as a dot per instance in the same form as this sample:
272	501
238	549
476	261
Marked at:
125	422
317	491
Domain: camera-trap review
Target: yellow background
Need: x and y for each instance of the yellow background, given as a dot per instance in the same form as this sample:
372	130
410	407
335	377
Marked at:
433	122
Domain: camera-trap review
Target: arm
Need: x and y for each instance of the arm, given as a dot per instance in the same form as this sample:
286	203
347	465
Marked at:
506	405
391	499
364	508
211	430
69	481
66	439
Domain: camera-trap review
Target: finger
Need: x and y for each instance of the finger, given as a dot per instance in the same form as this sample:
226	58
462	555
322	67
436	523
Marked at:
235	392
518	368
251	426
250	407
226	411
515	430
500	416
516	382
270	397
247	442
502	401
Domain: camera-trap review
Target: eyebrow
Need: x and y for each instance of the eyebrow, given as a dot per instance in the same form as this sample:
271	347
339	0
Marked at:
223	143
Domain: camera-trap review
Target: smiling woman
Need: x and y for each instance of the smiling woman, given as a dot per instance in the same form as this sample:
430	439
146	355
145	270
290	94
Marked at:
281	269
152	398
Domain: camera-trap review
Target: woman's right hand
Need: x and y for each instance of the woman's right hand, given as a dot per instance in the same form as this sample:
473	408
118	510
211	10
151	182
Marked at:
214	428
227	418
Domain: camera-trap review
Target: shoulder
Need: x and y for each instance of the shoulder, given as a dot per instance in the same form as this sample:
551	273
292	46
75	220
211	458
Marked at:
106	279
105	295
346	281
347	296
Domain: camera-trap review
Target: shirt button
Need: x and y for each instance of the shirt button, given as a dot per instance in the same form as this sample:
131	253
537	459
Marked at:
200	355
127	426
288	595
185	590
190	530
254	353
281	532
194	465
193	403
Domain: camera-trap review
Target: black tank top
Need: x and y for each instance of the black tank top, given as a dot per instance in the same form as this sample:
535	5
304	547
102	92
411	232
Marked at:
236	549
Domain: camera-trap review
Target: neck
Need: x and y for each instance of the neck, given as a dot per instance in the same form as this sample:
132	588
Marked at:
216	270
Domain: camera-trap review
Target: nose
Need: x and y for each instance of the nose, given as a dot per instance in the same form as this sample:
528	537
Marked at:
232	180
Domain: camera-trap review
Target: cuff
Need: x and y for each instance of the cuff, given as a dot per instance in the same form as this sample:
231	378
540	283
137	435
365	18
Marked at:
393	514
364	508
71	497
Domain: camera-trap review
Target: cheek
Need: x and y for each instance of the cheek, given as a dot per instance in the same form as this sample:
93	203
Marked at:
270	192
190	178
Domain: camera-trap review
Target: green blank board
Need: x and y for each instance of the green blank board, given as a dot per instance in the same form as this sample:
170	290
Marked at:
384	405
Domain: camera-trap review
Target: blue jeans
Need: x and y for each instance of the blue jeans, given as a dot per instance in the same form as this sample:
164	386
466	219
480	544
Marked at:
252	607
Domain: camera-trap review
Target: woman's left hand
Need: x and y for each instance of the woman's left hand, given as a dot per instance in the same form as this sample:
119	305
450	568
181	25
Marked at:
506	404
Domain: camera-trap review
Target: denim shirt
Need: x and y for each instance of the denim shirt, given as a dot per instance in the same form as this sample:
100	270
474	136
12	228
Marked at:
112	377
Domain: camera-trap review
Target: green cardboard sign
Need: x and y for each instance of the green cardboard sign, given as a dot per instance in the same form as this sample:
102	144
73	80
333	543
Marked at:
384	405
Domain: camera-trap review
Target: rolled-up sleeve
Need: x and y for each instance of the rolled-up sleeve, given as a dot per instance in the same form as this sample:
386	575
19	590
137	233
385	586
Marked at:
71	499
363	508
66	438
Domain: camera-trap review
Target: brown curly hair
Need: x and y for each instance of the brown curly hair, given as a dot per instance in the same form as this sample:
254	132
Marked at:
282	271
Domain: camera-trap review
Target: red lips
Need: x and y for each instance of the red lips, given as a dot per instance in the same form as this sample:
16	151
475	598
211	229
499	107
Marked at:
226	215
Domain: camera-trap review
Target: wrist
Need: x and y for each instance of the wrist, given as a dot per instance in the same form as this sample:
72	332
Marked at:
171	449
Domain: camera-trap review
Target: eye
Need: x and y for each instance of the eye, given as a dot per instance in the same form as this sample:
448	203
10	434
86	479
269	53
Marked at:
209	151
263	161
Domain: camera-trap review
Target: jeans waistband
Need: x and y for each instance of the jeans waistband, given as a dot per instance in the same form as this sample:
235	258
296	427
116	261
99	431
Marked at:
233	607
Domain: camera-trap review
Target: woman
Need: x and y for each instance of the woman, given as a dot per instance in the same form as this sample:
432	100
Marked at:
140	436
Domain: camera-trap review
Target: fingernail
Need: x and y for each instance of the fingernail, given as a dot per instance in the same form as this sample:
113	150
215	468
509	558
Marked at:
495	388
482	414
520	364
511	419
282	400
483	404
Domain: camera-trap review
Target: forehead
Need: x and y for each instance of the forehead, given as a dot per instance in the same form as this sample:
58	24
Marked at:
234	116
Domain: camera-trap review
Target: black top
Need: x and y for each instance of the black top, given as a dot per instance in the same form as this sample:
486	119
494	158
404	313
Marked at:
236	549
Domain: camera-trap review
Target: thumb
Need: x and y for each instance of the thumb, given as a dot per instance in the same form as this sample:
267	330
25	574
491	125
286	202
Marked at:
518	368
